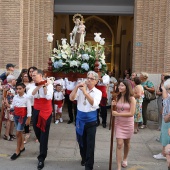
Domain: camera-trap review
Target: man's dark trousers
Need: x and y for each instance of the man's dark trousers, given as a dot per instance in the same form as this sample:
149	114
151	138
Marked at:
69	107
87	151
41	136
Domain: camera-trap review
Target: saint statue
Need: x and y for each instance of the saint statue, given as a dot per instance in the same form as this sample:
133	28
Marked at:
78	33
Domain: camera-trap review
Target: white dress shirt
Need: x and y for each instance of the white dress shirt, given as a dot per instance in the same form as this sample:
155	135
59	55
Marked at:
105	81
22	101
40	93
70	85
95	94
27	89
58	95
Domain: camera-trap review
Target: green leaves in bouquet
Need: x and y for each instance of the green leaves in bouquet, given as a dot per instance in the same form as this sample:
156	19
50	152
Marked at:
78	60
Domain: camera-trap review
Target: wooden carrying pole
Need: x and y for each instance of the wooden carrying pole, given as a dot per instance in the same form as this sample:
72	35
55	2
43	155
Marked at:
112	133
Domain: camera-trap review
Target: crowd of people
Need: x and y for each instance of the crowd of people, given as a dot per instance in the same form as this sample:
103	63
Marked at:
29	98
141	88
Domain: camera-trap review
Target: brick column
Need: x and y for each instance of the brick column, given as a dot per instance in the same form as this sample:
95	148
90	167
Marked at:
151	51
38	21
9	32
23	29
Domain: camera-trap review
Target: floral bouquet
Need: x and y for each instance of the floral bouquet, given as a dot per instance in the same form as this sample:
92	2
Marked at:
70	58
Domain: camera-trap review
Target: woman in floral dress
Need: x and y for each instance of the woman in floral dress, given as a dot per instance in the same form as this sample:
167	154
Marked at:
139	95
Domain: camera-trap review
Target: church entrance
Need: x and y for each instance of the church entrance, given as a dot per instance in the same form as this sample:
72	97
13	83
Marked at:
117	29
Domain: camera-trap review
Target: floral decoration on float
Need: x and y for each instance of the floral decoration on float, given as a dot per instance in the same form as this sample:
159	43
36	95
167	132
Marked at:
78	57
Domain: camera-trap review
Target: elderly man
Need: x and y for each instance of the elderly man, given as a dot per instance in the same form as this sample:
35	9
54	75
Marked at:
42	93
69	86
88	100
102	86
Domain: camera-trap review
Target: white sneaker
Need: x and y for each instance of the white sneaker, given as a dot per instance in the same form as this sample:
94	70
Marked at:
159	156
56	122
158	139
61	119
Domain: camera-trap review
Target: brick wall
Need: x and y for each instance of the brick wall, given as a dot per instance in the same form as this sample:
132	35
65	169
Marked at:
151	51
9	32
24	24
23	29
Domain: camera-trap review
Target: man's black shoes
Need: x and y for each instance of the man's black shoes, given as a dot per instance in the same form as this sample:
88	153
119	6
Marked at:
82	163
40	165
104	125
70	121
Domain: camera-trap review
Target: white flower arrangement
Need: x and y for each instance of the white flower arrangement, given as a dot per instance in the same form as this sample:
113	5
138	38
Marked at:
67	58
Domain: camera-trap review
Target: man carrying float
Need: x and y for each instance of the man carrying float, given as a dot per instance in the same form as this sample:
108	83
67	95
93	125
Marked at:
42	92
102	86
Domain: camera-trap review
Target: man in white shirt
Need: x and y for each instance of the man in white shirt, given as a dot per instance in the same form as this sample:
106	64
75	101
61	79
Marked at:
102	86
42	92
70	85
88	99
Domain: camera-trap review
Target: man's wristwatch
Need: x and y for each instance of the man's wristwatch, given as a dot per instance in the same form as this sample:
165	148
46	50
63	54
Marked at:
44	86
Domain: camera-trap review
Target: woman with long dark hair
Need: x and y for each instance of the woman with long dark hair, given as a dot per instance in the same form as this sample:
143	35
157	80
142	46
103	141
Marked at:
25	81
30	71
124	121
30	83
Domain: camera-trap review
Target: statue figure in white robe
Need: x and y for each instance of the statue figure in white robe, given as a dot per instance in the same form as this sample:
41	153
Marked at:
73	37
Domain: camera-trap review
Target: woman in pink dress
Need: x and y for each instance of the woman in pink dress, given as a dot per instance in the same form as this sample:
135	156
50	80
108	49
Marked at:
124	121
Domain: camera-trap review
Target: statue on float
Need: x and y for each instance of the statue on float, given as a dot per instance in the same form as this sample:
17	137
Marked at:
78	33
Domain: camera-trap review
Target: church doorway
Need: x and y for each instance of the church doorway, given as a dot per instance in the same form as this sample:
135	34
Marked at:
117	31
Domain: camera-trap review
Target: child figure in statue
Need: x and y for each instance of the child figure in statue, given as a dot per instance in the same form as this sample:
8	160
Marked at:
82	32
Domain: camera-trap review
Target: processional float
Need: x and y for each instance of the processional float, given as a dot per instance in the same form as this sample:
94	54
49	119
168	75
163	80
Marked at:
74	60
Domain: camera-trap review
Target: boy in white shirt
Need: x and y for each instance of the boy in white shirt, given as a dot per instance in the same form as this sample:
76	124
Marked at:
22	115
58	102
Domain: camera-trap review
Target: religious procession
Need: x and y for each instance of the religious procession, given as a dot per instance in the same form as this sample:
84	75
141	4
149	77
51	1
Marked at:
79	90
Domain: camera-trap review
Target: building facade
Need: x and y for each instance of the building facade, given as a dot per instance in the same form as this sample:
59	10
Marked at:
23	28
24	24
151	50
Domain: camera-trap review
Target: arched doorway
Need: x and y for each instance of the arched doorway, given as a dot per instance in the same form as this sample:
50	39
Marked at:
117	31
96	24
